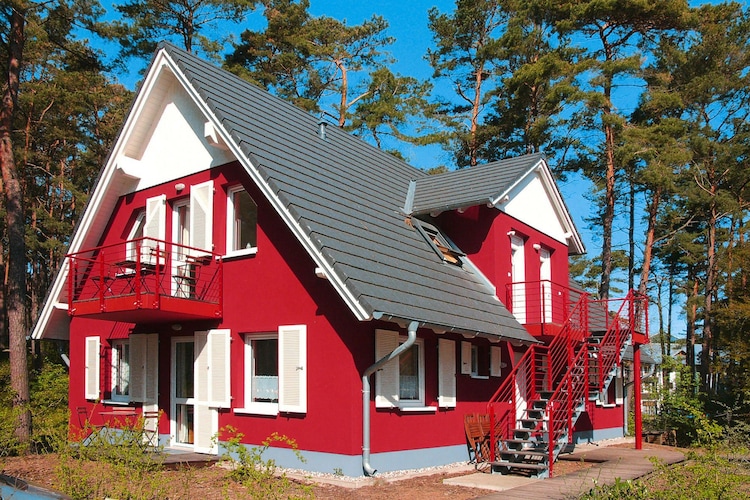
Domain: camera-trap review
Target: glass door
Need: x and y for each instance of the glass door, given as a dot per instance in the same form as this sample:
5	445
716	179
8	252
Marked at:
183	393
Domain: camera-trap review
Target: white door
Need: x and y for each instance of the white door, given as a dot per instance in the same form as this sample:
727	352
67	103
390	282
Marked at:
545	277
182	422
518	278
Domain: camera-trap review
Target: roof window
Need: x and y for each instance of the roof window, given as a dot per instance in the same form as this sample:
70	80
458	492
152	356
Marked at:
442	247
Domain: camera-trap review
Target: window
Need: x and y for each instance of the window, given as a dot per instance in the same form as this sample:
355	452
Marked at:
242	219
275	371
120	370
136	233
262	372
399	383
479	361
410	387
181	227
442	247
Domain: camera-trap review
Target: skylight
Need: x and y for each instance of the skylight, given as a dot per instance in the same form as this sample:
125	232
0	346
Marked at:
442	247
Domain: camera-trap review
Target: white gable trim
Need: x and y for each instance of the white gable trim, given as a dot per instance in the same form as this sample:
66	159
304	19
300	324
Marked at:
542	170
118	178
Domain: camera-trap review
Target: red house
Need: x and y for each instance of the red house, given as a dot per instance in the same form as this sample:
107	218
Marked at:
242	264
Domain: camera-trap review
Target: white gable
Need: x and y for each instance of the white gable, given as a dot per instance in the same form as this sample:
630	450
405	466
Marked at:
529	202
535	201
175	143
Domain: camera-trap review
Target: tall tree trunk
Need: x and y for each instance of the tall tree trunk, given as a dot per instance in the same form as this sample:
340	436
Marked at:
711	279
16	286
692	314
653	209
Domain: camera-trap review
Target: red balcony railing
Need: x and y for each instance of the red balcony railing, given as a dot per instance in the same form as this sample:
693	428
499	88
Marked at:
541	302
162	280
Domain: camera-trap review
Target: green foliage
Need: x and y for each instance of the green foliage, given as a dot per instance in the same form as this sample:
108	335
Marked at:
621	489
144	23
49	407
684	410
125	468
257	475
708	474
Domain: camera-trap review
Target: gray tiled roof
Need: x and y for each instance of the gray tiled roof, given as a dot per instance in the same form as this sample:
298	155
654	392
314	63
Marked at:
346	196
470	186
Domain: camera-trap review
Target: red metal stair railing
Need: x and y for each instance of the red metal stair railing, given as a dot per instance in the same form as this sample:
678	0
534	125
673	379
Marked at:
538	370
618	325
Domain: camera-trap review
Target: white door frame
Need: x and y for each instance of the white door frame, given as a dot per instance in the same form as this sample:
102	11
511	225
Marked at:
545	279
173	402
518	278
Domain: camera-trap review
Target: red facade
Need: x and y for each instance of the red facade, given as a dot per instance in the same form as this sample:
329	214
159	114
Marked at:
277	285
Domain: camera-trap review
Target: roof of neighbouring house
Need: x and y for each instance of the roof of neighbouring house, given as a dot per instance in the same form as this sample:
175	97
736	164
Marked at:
342	198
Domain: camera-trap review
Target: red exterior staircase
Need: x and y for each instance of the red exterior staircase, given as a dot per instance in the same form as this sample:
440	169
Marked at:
533	412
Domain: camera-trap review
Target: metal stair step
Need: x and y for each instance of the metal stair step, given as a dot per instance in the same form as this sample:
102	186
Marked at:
520	465
523	453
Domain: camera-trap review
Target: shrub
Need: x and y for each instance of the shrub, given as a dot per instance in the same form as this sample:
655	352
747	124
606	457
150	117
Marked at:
260	477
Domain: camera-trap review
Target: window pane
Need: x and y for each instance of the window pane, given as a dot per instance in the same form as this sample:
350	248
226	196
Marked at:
409	374
182	231
245	220
121	367
184	369
265	381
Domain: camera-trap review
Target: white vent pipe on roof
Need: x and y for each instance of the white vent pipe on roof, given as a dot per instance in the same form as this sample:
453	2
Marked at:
322	124
411	338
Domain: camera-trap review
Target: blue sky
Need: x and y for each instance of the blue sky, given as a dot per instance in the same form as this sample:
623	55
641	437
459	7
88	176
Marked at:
408	26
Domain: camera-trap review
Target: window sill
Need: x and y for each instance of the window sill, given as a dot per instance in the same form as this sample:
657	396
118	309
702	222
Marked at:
113	402
418	409
481	377
238	254
271	410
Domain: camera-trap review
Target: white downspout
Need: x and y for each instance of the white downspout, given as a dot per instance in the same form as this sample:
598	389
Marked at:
412	337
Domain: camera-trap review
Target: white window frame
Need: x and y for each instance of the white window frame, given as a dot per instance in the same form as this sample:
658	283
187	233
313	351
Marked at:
138	226
229	249
419	402
387	379
118	346
256	407
292	370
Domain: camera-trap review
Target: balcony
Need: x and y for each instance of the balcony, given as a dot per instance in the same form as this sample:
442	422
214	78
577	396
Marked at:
543	307
145	281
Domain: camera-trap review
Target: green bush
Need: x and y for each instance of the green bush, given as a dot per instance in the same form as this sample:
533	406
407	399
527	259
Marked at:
49	406
684	410
260	477
110	463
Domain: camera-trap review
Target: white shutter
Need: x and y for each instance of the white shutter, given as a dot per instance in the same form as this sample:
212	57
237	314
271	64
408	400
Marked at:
465	358
446	373
156	218
496	360
293	369
155	225
386	379
144	367
203	415
93	366
219	387
151	378
201	215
